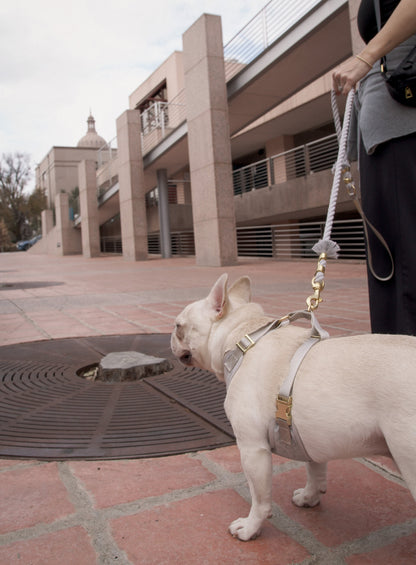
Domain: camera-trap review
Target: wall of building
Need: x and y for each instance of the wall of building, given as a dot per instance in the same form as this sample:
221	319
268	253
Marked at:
297	199
170	71
58	171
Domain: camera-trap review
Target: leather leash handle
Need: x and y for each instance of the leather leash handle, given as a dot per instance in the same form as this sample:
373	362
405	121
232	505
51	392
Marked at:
366	222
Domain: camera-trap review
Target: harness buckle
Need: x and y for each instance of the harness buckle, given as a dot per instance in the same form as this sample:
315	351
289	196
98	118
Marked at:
245	348
284	409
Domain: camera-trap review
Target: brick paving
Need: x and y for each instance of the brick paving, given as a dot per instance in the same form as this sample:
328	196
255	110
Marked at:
176	509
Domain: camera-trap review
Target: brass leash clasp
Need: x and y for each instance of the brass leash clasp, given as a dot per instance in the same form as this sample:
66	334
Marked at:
318	284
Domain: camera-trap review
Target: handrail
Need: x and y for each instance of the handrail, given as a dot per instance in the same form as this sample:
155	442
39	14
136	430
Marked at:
160	119
268	25
107	152
298	162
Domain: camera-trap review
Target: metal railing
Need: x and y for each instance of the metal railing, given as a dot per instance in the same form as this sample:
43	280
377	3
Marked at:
272	22
295	240
107	152
298	162
111	244
280	241
182	243
160	119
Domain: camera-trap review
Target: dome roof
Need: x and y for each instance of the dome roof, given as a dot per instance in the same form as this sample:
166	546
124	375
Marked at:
91	138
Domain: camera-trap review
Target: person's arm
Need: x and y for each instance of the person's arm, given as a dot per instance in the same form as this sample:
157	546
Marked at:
399	27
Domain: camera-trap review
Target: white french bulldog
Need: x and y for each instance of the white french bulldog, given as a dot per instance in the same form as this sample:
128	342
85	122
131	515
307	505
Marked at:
353	396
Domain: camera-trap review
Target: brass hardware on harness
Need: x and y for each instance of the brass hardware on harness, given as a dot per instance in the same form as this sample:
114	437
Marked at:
284	409
317	285
245	348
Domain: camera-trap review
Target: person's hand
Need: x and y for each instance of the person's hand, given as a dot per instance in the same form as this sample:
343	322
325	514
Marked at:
346	77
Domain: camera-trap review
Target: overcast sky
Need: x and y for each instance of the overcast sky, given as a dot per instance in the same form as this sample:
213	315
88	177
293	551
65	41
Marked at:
60	59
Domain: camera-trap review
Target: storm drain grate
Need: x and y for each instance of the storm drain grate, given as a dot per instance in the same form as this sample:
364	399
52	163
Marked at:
48	412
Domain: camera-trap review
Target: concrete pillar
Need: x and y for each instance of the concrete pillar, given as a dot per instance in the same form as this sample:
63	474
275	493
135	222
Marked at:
90	229
68	238
131	187
277	169
162	186
47	222
209	143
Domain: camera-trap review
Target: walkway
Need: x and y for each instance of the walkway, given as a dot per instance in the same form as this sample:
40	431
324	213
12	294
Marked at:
176	509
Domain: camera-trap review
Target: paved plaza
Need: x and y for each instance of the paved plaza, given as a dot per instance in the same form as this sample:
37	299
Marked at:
176	509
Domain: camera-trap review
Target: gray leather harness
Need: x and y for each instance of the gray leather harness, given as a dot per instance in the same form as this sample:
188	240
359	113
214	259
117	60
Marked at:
283	435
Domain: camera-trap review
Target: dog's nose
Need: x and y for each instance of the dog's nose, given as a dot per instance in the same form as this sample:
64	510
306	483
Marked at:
186	358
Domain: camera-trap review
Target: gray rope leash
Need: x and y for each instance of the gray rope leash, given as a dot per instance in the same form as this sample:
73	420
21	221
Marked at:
326	245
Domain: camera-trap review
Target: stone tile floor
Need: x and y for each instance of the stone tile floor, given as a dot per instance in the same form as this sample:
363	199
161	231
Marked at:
176	509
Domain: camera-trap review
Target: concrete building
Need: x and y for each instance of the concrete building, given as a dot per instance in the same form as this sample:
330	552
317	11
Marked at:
225	150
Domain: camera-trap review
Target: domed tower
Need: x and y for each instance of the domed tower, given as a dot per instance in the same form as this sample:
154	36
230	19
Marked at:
91	138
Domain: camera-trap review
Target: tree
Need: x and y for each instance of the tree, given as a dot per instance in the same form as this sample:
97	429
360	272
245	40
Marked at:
5	242
15	173
36	202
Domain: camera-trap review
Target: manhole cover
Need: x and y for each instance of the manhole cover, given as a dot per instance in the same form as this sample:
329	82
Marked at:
49	412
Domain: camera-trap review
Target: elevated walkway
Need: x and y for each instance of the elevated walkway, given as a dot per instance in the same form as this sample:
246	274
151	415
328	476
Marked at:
312	46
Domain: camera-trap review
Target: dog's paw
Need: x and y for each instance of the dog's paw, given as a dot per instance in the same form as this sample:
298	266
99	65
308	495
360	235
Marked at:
301	497
244	529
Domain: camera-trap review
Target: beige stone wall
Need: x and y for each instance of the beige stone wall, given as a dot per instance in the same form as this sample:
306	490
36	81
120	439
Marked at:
58	171
180	218
170	70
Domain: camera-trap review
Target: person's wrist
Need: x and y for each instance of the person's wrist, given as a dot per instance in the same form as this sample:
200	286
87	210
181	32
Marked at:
364	59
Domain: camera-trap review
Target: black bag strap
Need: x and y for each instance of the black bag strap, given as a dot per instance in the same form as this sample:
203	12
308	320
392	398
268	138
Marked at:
383	62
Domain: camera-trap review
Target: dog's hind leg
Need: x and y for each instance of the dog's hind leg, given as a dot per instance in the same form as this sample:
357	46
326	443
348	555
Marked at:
404	455
315	486
257	467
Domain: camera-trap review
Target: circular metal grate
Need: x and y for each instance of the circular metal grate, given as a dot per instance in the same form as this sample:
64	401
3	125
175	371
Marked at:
47	411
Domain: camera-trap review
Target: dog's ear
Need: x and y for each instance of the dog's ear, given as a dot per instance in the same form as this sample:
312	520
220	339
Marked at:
217	298
241	290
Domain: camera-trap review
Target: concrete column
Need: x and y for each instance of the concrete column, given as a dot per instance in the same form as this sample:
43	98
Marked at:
132	188
278	170
209	143
90	229
68	238
162	186
47	222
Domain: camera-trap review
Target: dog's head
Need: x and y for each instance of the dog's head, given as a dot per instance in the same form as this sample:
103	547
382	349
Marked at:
193	326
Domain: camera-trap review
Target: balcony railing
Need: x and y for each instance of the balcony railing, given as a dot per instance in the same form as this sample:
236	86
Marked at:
160	119
275	19
272	22
107	152
298	162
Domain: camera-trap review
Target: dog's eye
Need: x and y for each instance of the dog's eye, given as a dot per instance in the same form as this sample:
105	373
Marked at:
179	331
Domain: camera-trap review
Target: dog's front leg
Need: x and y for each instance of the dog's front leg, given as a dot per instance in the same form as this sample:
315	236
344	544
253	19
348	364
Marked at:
315	485
257	467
